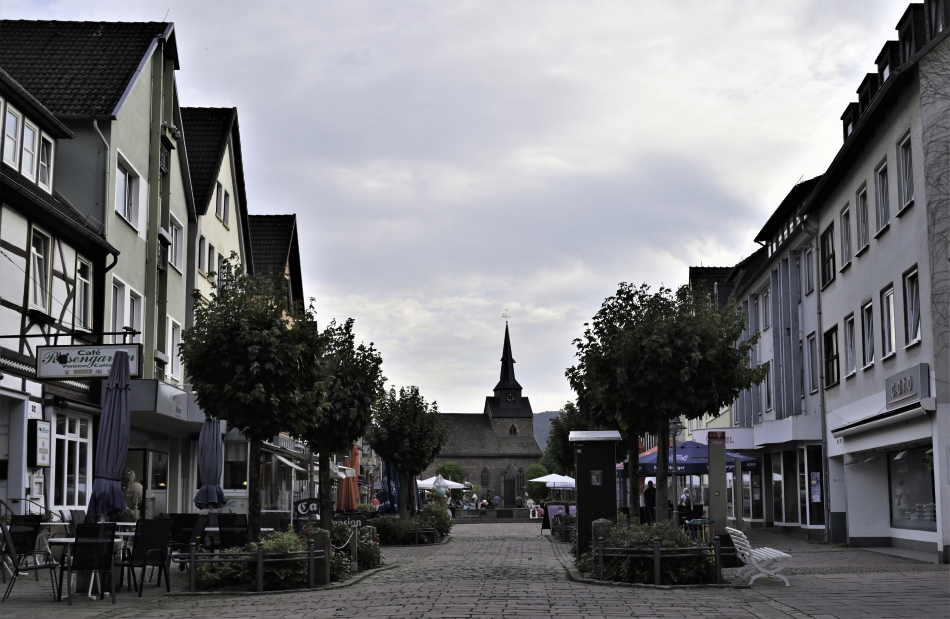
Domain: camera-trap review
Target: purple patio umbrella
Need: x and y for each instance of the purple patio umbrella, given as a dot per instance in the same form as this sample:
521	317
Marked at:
210	465
112	444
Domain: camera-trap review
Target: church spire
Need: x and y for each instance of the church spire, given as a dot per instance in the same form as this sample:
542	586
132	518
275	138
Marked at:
507	379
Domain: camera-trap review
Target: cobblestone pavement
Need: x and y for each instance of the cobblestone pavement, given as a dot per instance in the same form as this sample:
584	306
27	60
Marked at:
509	570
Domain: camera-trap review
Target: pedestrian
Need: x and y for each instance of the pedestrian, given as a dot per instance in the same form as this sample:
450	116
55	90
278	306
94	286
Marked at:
649	498
375	504
685	500
519	502
497	500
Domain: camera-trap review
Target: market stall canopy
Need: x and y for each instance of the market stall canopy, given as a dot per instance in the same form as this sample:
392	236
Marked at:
692	458
555	481
430	483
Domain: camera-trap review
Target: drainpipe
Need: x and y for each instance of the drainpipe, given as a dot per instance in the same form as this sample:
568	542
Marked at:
105	190
825	489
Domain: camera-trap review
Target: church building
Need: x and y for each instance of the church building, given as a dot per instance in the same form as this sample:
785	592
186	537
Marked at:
496	447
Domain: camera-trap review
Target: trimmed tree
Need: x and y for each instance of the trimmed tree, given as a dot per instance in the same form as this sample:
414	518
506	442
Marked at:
250	364
354	383
536	489
409	433
558	453
452	471
650	357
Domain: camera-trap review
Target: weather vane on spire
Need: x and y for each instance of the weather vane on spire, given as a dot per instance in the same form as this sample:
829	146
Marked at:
506	316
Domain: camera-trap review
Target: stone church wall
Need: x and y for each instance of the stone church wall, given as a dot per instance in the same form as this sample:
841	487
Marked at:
496	468
524	425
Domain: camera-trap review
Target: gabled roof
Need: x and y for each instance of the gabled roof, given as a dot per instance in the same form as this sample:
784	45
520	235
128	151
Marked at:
78	68
706	279
206	131
788	208
20	97
473	436
494	408
274	246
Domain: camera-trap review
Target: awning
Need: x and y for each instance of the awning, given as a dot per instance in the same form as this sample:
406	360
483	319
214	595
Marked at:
884	419
289	463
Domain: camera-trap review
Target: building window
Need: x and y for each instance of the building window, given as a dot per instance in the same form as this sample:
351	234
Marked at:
28	158
911	307
227	207
118	310
768	387
812	363
861	204
850	360
809	271
72	460
832	375
126	200
828	256
888	327
935	17
883	209
135	316
222	203
845	237
766	308
211	258
906	174
235	465
911	485
513	430
39	271
174	345
175	249
84	295
867	334
46	164
201	253
485	480
11	138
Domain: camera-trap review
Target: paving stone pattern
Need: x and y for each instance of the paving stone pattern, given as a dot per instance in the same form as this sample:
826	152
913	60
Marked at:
509	570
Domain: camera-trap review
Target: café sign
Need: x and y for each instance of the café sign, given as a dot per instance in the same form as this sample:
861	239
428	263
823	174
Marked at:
908	386
83	362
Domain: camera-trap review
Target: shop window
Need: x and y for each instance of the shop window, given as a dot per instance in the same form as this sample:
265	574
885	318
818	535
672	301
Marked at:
159	472
778	490
911	486
730	498
816	501
72	460
790	466
235	465
802	486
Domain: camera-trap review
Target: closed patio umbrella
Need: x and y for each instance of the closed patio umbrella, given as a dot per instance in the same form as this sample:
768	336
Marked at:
112	443
210	465
348	490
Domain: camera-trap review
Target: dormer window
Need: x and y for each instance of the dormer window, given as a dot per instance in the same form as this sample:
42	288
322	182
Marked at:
907	45
45	179
28	158
935	19
885	71
11	138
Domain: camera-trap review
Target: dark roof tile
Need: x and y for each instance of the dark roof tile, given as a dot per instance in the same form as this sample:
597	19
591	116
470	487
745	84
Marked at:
206	132
271	237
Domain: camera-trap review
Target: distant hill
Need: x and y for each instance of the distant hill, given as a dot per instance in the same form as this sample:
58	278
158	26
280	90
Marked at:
542	426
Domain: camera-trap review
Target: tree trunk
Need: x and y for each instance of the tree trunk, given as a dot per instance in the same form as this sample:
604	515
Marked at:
254	492
326	501
403	495
662	466
633	477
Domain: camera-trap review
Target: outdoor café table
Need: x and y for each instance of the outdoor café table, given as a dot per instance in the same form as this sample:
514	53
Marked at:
68	541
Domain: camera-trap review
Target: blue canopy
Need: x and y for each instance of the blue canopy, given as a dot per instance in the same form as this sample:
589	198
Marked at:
692	458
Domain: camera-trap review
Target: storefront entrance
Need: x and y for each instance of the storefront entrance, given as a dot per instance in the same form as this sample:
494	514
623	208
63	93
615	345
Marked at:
145	482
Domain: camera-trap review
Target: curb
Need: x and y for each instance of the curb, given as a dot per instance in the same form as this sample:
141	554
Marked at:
575	575
339	585
445	540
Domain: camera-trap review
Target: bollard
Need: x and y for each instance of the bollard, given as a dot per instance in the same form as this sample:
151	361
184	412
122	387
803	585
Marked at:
600	554
191	567
260	567
321	541
717	548
310	563
657	572
354	542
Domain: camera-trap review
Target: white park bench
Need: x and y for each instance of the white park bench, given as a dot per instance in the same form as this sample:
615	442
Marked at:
762	560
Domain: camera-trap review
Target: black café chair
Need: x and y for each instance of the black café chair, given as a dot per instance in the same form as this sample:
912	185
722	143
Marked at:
92	552
187	529
149	549
19	544
232	531
273	520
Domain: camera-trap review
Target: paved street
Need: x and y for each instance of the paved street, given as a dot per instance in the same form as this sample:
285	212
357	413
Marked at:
499	570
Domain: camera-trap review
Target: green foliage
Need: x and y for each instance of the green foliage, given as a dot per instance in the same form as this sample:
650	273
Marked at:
452	471
396	530
437	517
558	452
674	571
278	575
564	521
650	357
393	529
339	566
363	507
407	432
536	489
369	554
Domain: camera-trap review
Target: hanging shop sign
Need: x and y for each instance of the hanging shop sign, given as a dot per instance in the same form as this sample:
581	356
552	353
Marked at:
84	362
908	386
350	520
305	507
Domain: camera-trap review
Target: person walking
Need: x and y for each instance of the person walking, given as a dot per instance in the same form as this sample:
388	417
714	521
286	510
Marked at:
649	499
497	501
685	501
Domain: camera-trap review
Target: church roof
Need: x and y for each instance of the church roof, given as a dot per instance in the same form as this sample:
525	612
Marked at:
473	436
507	379
494	408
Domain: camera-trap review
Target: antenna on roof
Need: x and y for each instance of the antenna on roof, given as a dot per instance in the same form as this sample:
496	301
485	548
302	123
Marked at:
800	179
166	14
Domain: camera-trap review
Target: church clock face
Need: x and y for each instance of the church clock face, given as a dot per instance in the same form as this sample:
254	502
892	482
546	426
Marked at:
510	397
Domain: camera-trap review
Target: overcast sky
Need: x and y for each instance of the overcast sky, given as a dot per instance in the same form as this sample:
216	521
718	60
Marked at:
450	160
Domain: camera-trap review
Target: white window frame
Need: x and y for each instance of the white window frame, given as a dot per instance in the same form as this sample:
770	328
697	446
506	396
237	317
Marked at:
888	323
767	309
850	358
906	161
219	200
846	254
809	270
134	315
202	248
46	268
212	254
175	250
882	197
912	290
24	151
71	503
11	143
174	345
247	474
864	230
130	207
48	164
127	309
227	208
82	312
867	335
813	361
118	308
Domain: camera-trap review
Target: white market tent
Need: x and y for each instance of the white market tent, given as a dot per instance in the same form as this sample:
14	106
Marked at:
429	484
555	481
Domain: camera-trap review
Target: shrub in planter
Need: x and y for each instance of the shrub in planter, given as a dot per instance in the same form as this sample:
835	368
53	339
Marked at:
436	517
674	571
393	529
278	575
369	554
339	566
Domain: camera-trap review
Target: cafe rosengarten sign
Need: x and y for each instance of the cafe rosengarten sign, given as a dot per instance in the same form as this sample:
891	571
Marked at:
83	362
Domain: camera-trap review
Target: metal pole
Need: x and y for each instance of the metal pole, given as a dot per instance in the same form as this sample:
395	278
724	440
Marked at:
717	548
191	568
354	541
310	563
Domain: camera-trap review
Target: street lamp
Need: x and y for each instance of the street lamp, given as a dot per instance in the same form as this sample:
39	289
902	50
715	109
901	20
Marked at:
676	426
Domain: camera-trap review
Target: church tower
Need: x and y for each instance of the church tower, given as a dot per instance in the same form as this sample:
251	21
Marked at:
509	411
